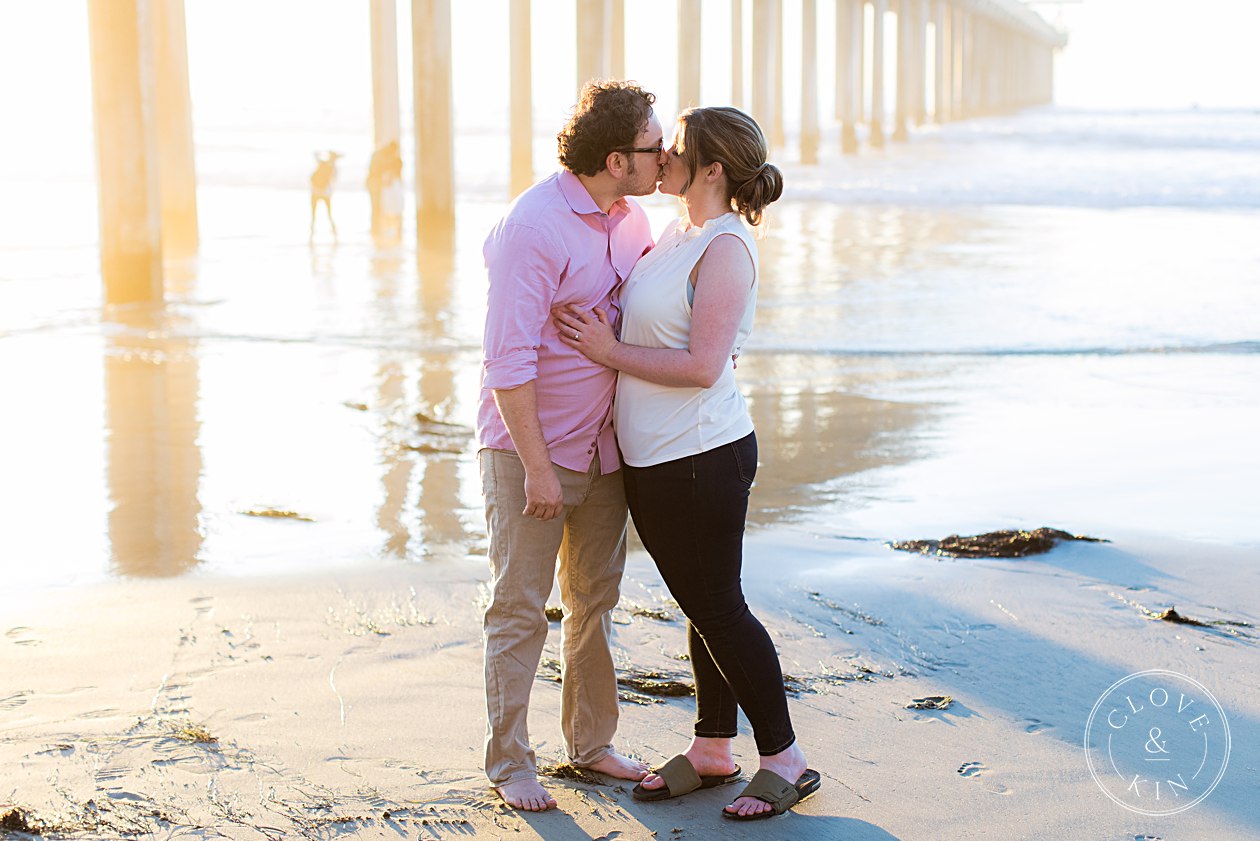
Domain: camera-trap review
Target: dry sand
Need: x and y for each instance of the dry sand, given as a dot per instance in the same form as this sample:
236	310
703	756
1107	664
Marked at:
350	704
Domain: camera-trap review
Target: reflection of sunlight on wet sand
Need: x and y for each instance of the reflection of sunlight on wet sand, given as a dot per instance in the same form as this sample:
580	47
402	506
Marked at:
292	376
815	425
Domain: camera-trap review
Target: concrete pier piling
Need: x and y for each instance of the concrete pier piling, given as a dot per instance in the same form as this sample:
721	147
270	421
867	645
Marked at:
849	74
922	15
386	125
593	41
435	144
953	59
940	63
778	132
521	118
689	47
617	38
177	169
905	69
763	56
124	93
810	132
737	53
876	122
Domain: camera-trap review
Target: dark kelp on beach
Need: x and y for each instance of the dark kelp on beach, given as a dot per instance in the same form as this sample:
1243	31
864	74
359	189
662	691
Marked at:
638	686
277	514
995	544
1228	627
555	613
931	702
16	820
572	773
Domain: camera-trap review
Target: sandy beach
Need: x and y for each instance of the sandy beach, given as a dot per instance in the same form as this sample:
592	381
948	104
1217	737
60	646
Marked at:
243	545
350	704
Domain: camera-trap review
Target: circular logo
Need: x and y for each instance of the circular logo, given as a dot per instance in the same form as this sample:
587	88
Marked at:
1157	742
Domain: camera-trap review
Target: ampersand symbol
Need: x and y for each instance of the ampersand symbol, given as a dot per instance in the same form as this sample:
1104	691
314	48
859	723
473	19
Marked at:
1153	745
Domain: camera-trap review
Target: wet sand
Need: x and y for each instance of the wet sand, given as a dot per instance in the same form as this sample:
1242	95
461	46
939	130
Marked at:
350	704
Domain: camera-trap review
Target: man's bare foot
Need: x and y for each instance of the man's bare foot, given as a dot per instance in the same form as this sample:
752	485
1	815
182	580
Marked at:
710	757
789	765
621	767
526	795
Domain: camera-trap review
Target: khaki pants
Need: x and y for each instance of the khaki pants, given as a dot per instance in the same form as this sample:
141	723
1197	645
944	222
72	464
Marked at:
590	540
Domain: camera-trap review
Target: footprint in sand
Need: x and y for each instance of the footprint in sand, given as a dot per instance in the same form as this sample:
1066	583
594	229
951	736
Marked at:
21	635
104	775
59	749
1036	725
15	700
971	769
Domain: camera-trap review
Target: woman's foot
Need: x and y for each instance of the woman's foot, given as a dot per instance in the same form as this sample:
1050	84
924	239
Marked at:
789	765
710	758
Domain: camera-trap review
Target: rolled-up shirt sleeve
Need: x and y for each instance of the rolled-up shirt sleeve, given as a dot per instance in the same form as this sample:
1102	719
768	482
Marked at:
525	267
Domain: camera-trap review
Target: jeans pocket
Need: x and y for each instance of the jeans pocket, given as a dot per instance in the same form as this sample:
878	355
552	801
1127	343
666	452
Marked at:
745	453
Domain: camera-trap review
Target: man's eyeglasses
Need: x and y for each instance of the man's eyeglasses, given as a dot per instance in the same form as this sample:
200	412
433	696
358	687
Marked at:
654	150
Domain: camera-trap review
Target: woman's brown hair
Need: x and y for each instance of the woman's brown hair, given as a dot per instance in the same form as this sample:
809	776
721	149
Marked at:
732	138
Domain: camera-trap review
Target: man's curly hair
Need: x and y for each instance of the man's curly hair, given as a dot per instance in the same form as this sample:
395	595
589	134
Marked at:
609	115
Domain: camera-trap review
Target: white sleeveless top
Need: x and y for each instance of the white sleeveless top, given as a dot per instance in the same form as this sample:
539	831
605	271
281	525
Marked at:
659	423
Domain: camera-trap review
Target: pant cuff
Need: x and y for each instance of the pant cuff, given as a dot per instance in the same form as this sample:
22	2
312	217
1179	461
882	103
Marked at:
720	734
780	749
587	762
515	776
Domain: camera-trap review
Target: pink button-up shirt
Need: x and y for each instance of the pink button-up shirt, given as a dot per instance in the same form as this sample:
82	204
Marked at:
556	247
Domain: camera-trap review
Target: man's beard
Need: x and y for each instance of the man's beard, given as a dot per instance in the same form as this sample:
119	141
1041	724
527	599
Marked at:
631	171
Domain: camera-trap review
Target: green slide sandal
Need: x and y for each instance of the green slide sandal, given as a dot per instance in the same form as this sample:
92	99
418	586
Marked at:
681	778
769	787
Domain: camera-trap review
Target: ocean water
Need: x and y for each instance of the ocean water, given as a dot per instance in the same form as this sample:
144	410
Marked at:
1045	319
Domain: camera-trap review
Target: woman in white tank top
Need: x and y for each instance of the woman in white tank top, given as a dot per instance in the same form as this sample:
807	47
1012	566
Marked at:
690	452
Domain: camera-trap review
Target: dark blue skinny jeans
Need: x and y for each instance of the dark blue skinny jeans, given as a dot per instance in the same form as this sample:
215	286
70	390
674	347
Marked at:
690	515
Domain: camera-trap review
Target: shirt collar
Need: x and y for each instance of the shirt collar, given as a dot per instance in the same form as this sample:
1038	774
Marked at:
580	201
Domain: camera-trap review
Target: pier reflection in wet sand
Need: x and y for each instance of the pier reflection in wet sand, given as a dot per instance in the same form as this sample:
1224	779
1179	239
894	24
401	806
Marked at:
335	387
154	461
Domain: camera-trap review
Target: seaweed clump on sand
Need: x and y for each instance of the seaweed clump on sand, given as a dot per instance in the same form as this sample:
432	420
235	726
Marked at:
657	684
995	544
651	613
820	684
637	686
16	820
931	702
195	734
277	514
1171	615
553	613
569	771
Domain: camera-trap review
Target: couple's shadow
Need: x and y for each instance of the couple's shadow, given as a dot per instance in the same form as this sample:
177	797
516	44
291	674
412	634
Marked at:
696	815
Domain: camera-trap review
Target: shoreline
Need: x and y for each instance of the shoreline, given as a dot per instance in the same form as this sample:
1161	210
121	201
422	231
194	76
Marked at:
335	698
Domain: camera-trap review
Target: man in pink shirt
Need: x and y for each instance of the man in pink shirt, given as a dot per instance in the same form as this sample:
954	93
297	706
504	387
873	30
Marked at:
549	462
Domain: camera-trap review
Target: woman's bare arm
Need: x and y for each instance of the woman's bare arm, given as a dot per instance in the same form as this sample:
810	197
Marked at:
724	278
